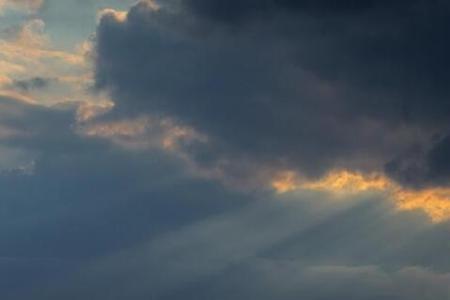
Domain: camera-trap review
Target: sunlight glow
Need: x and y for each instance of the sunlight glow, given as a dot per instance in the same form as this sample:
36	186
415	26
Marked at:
435	202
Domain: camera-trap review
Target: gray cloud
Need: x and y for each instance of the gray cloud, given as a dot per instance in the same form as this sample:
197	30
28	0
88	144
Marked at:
261	250
422	166
292	279
293	85
241	11
93	220
84	198
307	85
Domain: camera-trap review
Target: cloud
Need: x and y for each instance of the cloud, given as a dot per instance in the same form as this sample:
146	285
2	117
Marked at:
272	250
32	83
29	44
143	133
118	198
241	11
342	184
291	279
79	183
186	236
30	6
308	86
426	165
34	70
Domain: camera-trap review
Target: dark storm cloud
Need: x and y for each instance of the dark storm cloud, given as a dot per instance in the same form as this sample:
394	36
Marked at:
83	198
93	220
312	85
37	128
307	85
232	11
74	177
423	166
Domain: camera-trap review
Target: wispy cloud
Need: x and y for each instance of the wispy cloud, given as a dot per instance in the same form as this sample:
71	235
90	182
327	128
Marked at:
28	6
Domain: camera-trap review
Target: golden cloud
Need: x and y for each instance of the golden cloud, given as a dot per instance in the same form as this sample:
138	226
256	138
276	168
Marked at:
118	15
122	15
138	133
435	202
29	53
88	111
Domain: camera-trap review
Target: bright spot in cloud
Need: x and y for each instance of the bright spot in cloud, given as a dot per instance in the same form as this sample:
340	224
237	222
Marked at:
435	202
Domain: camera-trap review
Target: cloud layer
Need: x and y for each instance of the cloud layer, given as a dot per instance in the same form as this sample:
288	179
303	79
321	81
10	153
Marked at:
90	217
314	86
269	149
25	5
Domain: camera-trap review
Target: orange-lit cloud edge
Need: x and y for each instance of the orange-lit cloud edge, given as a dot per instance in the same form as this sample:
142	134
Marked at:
435	202
32	41
145	132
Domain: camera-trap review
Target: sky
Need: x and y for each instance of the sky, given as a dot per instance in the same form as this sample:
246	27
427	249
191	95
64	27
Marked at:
209	149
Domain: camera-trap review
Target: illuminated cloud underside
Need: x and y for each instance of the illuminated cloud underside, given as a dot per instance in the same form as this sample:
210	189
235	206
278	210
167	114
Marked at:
435	202
150	157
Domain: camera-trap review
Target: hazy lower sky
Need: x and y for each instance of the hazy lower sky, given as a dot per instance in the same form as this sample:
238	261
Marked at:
212	149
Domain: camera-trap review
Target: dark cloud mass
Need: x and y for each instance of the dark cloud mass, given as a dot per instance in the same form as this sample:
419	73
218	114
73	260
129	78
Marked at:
81	199
143	200
240	10
314	85
423	166
90	220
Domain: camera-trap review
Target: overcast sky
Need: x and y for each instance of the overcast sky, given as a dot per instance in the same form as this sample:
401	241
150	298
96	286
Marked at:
212	149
